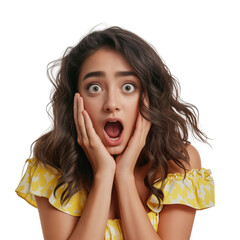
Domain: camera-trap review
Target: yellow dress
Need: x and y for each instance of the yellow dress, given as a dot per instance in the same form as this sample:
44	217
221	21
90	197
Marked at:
196	191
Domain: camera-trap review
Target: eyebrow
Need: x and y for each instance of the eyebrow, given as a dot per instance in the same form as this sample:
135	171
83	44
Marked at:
102	74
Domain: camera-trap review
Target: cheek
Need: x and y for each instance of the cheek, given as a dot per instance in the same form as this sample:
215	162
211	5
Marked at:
133	112
133	109
93	112
90	110
89	104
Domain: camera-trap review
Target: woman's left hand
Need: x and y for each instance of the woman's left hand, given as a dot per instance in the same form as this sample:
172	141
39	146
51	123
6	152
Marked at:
127	160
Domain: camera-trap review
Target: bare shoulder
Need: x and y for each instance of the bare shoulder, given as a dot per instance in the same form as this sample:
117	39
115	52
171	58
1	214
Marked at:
175	217
194	161
194	157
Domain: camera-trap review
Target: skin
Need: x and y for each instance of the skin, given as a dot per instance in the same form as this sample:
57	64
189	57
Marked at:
114	167
109	89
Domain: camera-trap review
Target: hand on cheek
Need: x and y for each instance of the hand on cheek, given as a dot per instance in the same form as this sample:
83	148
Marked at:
126	161
88	139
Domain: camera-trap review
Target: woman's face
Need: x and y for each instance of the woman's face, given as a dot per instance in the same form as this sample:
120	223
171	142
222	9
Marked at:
110	90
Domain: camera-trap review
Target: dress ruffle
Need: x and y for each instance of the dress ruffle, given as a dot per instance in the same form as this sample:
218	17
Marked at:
196	190
41	181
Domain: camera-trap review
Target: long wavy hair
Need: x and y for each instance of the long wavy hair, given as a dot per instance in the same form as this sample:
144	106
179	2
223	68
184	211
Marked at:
171	118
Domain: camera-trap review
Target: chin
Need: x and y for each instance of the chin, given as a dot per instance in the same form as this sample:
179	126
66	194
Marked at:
116	150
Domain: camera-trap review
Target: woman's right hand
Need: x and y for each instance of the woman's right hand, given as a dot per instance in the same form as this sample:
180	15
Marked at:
88	139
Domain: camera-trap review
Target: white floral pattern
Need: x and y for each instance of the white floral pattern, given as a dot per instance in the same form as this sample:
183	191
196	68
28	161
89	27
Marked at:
196	190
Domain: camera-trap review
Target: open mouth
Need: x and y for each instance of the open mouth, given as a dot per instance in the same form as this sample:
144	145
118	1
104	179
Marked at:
113	129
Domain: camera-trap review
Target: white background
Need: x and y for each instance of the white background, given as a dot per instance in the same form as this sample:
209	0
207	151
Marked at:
198	40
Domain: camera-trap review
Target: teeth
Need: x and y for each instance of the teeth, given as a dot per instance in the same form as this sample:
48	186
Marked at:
112	121
114	138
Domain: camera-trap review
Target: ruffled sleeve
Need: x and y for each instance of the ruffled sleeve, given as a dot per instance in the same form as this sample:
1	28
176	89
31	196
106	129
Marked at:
41	181
196	190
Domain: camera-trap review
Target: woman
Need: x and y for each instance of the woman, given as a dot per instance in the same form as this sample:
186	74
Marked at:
118	154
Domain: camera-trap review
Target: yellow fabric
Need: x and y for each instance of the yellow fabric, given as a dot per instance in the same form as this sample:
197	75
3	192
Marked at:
196	190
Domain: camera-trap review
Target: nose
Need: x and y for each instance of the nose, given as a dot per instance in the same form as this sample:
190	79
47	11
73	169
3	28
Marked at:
112	103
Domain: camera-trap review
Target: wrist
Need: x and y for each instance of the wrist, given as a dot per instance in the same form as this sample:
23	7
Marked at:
105	173
124	176
124	170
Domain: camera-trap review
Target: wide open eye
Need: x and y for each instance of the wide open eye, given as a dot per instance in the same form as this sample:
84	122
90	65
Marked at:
128	88
94	88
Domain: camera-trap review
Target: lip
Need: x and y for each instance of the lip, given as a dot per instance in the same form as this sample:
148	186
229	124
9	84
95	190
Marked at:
111	141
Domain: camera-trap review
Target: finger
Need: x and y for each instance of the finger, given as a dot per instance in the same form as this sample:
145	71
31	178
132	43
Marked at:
137	132
145	125
146	107
80	118
146	101
75	112
143	122
81	104
142	128
139	123
89	126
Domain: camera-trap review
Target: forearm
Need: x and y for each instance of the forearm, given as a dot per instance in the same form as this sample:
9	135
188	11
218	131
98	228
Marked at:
93	221
135	222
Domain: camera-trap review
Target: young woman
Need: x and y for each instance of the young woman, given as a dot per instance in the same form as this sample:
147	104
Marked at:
117	163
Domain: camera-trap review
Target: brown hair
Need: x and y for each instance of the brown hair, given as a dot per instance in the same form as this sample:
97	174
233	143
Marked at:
170	117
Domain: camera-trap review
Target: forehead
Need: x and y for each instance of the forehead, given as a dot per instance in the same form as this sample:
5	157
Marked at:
105	60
